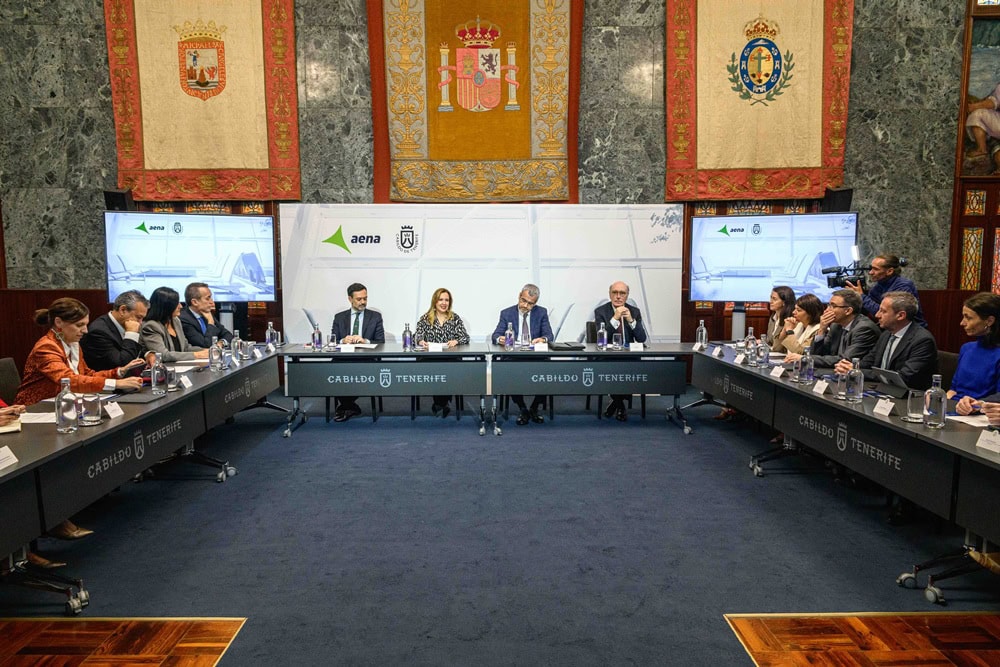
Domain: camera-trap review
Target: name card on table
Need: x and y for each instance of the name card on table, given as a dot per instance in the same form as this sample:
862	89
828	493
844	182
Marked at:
635	347
989	440
884	407
820	387
435	347
777	371
257	354
344	347
697	347
740	358
541	347
114	410
7	457
719	351
269	348
185	382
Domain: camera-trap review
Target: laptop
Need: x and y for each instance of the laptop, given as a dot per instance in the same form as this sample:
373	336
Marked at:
890	382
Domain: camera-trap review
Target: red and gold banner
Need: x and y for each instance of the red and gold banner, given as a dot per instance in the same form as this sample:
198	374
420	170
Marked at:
475	101
205	99
757	97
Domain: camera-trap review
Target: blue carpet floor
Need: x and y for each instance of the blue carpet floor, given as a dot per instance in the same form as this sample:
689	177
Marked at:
574	542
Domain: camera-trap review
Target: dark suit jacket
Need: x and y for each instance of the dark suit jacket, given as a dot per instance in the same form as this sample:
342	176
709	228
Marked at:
192	330
104	348
606	312
861	338
538	322
371	326
915	356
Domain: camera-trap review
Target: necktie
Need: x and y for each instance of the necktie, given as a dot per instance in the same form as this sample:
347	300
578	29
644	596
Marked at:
357	323
623	325
888	351
842	346
525	333
204	327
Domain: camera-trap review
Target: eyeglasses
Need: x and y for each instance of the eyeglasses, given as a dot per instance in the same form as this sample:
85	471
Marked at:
526	302
618	293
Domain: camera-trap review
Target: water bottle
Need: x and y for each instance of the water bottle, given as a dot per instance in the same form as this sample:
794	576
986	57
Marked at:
808	367
602	338
855	390
701	335
235	344
66	409
525	342
508	337
935	404
750	347
215	355
317	338
158	375
407	338
270	336
763	353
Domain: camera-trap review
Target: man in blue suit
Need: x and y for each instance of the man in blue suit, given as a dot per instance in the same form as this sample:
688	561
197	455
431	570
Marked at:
530	323
353	326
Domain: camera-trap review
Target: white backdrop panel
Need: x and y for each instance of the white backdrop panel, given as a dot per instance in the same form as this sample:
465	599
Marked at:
482	253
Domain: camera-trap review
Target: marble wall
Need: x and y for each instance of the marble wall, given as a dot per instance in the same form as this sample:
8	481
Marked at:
57	151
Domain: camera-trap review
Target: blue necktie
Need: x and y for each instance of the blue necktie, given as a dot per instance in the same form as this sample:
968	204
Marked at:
204	327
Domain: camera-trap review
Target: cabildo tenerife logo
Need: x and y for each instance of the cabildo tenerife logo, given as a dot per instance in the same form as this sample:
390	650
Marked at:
406	240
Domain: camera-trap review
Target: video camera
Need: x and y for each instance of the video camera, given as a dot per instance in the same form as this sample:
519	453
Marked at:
838	276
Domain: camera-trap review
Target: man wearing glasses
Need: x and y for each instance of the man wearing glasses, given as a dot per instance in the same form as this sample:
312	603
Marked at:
531	325
844	332
618	317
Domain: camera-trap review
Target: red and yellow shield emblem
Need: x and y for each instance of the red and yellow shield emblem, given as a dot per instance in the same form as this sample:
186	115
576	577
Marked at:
201	56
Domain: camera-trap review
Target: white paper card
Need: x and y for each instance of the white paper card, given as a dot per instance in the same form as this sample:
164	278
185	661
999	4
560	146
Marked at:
435	347
777	371
541	347
820	387
635	347
7	457
257	354
344	347
114	410
740	358
38	418
697	347
186	382
884	407
990	441
269	347
719	351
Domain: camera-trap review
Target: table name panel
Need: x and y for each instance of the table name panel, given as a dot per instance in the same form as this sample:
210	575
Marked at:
238	391
897	460
978	498
22	521
605	376
743	389
74	480
391	377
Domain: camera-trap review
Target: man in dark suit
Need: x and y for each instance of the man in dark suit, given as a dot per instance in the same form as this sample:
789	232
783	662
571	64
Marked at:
531	325
844	333
618	317
198	321
353	326
904	346
112	340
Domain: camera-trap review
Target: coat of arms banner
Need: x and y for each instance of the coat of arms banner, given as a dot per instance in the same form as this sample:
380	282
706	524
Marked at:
757	96
205	98
475	101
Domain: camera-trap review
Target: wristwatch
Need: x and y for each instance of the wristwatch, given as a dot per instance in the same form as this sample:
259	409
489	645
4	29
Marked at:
789	332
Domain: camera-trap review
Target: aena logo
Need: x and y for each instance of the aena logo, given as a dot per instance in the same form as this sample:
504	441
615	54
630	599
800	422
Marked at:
735	230
338	239
152	228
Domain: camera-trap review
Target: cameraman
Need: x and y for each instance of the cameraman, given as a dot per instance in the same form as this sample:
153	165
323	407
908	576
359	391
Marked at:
885	277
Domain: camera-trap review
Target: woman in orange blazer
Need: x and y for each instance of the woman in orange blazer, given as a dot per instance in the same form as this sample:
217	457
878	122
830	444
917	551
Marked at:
55	356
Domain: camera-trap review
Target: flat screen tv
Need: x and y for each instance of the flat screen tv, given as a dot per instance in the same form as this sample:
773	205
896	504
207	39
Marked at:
233	254
741	258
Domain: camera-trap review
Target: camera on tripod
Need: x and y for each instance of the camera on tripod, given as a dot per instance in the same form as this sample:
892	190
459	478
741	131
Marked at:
838	276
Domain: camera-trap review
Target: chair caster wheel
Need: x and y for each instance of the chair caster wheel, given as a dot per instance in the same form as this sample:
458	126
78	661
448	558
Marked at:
221	477
73	607
752	464
84	597
231	471
482	430
287	433
933	595
758	471
497	430
688	430
907	580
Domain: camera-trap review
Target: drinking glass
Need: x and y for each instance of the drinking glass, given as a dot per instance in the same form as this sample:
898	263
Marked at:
616	342
914	406
91	413
840	386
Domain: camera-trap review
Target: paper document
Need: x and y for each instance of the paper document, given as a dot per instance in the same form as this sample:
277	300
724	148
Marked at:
981	421
38	418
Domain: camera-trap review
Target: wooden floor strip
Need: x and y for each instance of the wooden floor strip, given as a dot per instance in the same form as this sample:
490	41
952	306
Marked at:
99	642
870	640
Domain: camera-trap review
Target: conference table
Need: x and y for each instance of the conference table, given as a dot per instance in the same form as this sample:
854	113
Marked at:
942	470
483	370
57	475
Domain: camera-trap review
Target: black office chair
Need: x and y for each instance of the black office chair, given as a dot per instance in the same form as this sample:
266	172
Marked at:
591	329
974	556
10	380
947	364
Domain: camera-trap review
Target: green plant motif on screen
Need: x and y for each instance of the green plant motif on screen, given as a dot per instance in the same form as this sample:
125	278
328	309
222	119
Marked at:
745	94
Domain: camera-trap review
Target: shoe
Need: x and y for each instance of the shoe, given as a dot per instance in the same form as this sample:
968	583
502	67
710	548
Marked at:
778	439
341	416
67	531
353	409
523	418
611	409
536	418
44	563
725	414
621	415
435	409
445	411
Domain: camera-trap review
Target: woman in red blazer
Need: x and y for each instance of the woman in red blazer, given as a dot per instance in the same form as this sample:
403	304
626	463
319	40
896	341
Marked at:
55	356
